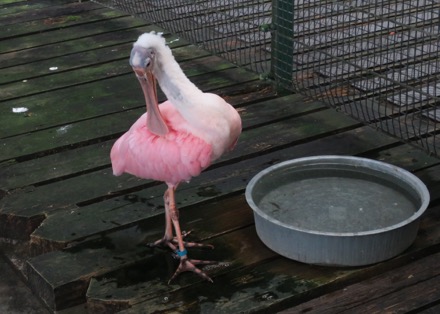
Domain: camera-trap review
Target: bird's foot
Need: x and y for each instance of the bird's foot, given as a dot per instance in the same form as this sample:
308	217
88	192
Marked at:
190	265
164	242
173	243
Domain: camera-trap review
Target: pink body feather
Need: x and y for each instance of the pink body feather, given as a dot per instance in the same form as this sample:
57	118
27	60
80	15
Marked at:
172	158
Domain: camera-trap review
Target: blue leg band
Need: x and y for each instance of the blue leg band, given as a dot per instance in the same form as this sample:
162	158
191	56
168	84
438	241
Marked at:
181	253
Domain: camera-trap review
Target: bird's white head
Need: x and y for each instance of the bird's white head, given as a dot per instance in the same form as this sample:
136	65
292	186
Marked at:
148	50
151	40
143	59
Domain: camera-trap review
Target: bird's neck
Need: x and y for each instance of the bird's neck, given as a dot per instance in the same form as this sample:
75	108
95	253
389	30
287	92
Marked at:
173	82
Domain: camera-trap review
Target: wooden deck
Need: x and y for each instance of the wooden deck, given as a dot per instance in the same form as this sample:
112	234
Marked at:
76	233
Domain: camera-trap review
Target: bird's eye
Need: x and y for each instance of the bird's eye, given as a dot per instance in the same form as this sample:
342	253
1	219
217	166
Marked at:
149	58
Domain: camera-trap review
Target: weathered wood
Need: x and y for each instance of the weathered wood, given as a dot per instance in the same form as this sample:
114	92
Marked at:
431	309
12	2
114	56
52	81
261	287
156	228
152	234
43	199
15	10
232	278
85	229
399	290
95	100
72	85
141	203
64	16
106	39
91	157
75	31
24	204
127	209
60	272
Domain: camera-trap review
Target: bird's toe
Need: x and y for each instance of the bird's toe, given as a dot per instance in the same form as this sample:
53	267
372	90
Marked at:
190	265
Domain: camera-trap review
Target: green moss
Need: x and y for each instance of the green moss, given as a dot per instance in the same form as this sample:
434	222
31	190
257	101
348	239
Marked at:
72	18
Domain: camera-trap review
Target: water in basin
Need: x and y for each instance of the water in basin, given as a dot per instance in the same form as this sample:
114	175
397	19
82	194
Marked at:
335	201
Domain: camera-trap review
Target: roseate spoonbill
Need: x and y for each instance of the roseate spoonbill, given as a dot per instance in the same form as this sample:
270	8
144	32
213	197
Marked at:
176	140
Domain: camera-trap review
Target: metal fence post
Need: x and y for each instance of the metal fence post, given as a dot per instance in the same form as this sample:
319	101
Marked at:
282	42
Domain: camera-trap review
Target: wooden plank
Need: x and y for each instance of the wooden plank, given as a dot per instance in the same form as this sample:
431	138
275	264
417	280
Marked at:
99	235
243	279
254	288
45	274
45	52
407	157
415	15
432	142
13	7
420	93
428	177
409	298
209	186
381	61
54	167
64	137
408	74
91	157
153	234
12	2
72	16
427	226
89	92
100	68
35	13
67	163
128	208
74	60
17	204
268	286
431	309
96	100
359	47
248	57
407	126
198	221
405	122
400	290
80	57
73	32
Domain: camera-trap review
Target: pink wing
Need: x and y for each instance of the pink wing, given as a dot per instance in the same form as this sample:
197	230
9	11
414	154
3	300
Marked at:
172	158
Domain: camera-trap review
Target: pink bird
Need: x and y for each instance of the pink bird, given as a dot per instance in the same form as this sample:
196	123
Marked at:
176	140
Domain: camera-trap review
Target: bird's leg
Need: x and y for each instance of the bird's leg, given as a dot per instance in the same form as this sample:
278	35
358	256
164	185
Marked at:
185	263
168	238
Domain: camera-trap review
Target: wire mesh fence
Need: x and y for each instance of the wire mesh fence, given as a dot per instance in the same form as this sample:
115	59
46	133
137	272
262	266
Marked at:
237	30
376	60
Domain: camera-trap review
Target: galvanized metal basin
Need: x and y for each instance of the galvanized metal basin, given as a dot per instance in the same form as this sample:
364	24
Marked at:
337	210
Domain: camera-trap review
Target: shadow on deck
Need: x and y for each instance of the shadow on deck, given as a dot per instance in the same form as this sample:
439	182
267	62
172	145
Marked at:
75	232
